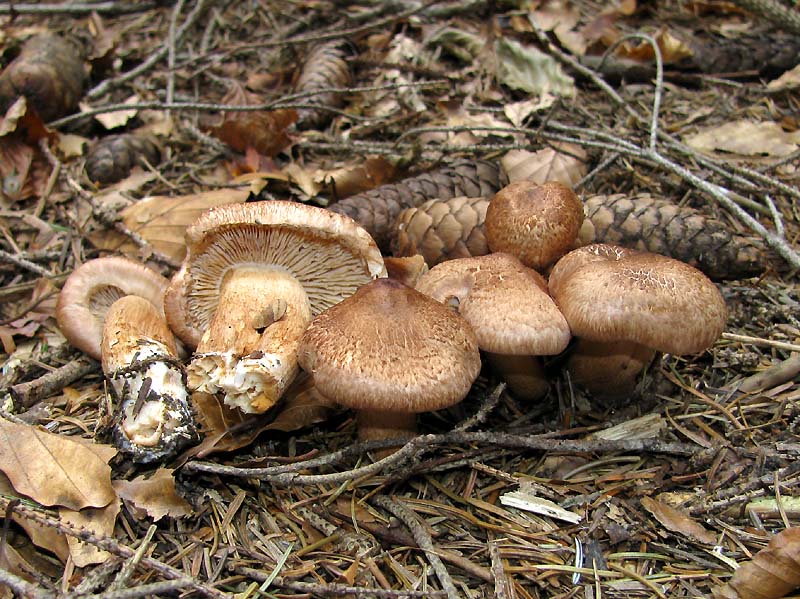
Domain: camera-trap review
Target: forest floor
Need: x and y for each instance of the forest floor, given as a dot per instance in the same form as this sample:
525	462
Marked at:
660	495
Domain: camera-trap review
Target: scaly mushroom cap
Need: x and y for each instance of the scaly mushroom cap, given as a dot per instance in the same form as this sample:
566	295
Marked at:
327	253
391	348
536	223
506	303
622	295
90	290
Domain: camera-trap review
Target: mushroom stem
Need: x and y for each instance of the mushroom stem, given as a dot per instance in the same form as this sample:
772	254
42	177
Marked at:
249	351
524	374
375	425
608	370
153	418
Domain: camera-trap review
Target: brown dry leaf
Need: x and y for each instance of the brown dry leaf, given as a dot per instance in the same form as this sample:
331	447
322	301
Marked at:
561	17
566	165
71	145
223	428
263	130
16	158
56	470
100	521
789	80
303	407
673	50
676	521
344	181
42	536
155	495
773	572
162	221
746	138
116	119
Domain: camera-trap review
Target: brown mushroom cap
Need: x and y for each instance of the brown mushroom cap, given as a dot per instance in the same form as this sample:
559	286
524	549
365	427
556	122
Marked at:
506	303
536	223
91	289
641	297
327	253
391	348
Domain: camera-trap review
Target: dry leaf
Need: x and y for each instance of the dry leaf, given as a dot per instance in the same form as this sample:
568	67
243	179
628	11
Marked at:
672	49
71	145
566	166
746	138
55	470
119	118
266	131
162	221
789	80
676	521
528	69
773	572
155	496
303	407
100	521
223	428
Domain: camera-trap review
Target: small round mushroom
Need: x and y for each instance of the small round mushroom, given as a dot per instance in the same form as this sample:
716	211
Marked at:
536	223
508	306
254	276
389	352
112	309
625	305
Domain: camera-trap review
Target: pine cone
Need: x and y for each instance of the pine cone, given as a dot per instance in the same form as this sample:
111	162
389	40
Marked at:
377	209
442	230
112	158
49	73
657	225
325	68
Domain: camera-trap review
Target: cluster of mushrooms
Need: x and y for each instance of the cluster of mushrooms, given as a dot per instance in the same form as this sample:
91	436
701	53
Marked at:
269	288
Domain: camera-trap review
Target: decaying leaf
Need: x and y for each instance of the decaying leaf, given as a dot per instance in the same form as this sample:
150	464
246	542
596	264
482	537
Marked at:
100	521
264	130
531	70
673	50
223	428
303	407
678	522
746	138
565	164
56	470
162	221
154	495
772	573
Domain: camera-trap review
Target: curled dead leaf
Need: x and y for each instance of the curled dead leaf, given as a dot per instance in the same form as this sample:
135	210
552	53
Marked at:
772	573
155	495
676	521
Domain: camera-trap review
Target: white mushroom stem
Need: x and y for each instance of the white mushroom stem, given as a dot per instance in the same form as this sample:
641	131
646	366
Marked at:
524	374
140	360
249	351
608	370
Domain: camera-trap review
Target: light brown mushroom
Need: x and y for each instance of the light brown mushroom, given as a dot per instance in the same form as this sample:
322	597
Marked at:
389	352
624	306
254	276
536	223
508	306
112	309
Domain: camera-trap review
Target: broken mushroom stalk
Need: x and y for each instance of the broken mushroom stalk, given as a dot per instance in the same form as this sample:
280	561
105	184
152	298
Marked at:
112	309
254	276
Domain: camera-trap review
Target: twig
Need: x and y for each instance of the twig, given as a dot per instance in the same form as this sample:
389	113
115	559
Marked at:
792	347
781	16
171	44
156	589
21	587
423	539
125	573
151	60
23	263
488	404
106	8
27	394
771	377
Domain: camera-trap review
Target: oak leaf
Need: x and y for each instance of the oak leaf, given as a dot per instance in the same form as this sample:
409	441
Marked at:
56	470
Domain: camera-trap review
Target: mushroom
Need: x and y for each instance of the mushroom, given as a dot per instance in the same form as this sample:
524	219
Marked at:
254	276
112	309
508	306
388	352
536	223
624	306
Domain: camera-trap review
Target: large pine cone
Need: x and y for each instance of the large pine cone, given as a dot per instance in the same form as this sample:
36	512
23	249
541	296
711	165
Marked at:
377	209
49	72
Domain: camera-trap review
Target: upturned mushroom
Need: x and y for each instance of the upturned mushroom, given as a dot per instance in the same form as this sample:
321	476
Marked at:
508	306
254	276
536	223
112	309
624	306
389	352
